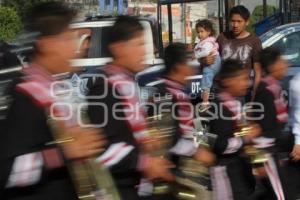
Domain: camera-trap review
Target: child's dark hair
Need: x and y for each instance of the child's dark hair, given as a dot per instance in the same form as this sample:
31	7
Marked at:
269	56
174	53
207	25
125	28
230	68
240	10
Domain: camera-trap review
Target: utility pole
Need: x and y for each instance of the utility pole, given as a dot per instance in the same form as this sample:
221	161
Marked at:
281	8
265	8
221	16
184	21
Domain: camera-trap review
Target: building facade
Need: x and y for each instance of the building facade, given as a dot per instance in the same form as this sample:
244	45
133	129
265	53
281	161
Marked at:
113	6
99	6
84	6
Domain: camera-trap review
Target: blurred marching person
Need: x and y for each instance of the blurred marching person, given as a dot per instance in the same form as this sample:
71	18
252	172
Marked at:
232	176
273	119
293	178
170	96
124	123
33	163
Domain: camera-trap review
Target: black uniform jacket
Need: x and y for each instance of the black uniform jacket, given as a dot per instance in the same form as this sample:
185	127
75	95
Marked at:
26	133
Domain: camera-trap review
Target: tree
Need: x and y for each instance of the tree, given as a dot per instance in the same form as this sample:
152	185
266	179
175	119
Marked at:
257	15
10	24
22	6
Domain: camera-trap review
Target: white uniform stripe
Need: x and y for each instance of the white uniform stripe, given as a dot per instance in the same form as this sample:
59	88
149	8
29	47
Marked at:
259	140
26	170
110	151
272	172
184	147
221	184
122	154
140	134
25	175
234	144
186	127
263	142
282	116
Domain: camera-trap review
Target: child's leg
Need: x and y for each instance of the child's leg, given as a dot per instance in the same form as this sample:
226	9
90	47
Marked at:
217	65
206	83
209	73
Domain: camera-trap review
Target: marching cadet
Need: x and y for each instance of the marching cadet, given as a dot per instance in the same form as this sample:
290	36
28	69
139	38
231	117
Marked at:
32	165
170	96
274	140
294	168
124	122
232	176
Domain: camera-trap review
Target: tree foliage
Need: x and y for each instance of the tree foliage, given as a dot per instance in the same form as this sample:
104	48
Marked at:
10	24
257	15
22	6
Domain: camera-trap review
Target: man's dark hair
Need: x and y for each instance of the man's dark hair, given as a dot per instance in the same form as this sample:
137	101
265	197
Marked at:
124	28
174	53
269	56
207	25
240	10
49	18
230	68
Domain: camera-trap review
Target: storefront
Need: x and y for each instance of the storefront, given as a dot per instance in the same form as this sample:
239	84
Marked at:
113	6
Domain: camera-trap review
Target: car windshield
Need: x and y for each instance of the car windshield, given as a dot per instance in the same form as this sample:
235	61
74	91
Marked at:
98	48
287	39
94	44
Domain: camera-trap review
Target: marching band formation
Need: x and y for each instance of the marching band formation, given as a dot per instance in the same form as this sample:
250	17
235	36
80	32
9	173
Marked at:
108	145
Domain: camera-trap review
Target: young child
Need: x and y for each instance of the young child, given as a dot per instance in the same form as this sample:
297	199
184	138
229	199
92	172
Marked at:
232	176
206	46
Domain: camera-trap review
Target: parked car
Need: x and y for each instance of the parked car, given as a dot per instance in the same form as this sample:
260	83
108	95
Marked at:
287	38
98	53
